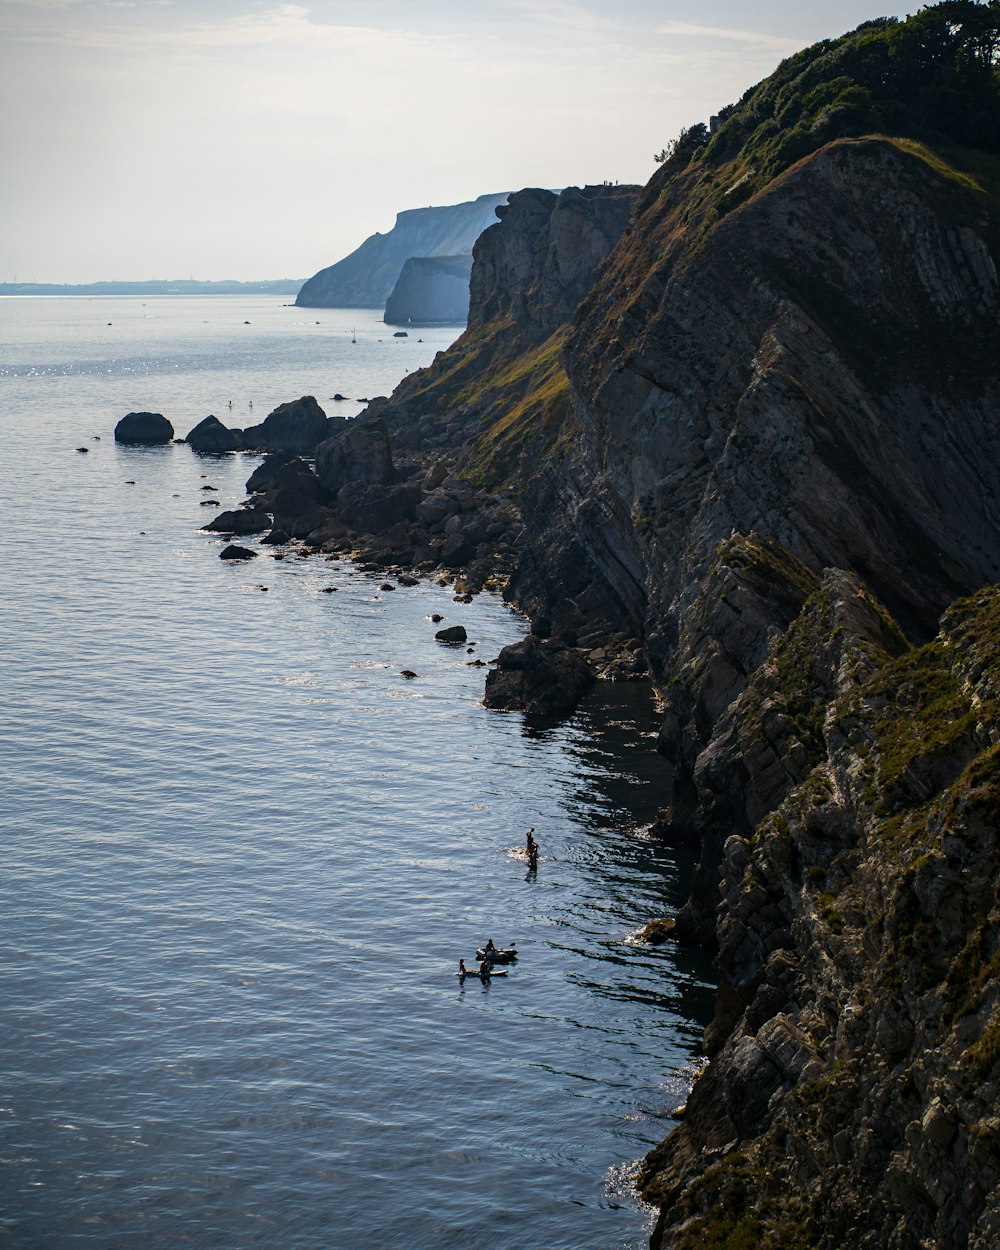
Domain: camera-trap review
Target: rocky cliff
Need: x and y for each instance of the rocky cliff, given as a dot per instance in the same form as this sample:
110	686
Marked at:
764	450
740	430
366	277
429	290
851	1098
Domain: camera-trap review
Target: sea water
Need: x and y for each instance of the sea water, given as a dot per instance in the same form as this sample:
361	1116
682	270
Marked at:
242	854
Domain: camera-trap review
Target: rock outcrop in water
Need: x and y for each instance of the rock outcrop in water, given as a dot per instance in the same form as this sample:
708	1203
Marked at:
366	277
144	427
211	437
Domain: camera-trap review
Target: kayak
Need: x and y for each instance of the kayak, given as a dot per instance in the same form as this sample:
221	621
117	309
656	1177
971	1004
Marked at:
498	957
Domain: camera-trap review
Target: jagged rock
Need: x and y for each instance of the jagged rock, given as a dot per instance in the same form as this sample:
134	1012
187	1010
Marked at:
240	521
298	426
852	946
358	453
265	476
144	427
211	436
542	677
236	552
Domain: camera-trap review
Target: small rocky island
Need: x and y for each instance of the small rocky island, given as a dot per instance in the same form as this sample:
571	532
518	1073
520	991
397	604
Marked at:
737	430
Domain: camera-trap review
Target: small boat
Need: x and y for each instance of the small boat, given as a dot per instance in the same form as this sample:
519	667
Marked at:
498	957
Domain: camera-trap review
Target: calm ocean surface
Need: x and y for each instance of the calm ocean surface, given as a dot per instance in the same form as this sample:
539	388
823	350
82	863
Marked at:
242	855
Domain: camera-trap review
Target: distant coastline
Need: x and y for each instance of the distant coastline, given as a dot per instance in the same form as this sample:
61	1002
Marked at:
277	286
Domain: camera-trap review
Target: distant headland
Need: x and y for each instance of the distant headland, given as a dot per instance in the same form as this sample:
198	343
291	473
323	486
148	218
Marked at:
154	286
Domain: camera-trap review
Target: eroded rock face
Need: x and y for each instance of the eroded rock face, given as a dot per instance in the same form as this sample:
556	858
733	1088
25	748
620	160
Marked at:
144	427
366	277
543	260
357	453
738	386
429	290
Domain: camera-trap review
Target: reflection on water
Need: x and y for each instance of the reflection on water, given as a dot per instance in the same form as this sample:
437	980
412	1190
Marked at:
244	856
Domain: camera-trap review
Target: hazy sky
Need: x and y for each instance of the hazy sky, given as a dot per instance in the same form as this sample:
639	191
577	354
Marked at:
243	139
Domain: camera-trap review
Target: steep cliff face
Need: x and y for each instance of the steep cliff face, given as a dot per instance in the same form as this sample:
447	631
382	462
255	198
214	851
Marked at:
852	1095
813	372
365	278
766	446
497	398
763	451
430	289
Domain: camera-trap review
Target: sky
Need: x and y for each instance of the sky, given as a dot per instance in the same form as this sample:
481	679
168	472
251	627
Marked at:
251	139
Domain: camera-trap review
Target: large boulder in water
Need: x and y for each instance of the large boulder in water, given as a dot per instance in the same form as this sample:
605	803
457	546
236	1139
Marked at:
240	521
297	426
235	552
144	427
358	453
540	676
211	436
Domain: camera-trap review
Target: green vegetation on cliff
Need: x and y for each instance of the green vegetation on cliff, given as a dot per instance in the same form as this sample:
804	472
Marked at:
888	1069
932	76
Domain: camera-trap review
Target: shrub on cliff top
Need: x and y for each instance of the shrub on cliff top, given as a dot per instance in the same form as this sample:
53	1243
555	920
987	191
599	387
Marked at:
933	76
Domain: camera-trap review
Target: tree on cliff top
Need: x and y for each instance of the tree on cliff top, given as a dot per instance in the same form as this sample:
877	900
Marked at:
933	76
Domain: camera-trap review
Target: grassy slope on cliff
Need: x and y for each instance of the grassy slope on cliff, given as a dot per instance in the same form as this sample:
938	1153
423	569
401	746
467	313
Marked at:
932	77
929	84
